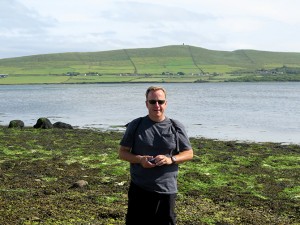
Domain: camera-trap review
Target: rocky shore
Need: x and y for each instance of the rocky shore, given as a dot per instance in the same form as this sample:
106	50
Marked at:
74	176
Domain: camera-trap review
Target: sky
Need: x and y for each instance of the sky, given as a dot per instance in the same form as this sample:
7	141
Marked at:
32	27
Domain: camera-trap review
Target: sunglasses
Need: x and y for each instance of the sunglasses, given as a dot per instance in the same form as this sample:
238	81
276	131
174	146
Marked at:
153	102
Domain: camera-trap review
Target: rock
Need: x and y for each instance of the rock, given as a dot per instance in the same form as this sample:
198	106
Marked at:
35	218
16	124
43	123
79	184
62	125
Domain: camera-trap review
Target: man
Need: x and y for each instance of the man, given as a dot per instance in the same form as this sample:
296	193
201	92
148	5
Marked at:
154	145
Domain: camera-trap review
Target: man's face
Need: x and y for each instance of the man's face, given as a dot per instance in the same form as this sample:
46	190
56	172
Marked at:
156	110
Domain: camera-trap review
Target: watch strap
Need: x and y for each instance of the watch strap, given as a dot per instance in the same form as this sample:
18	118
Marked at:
173	158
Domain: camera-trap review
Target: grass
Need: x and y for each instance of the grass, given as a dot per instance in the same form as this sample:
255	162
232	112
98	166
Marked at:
226	183
34	79
153	62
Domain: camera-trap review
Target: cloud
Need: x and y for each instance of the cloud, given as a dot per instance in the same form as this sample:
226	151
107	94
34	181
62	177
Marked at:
35	27
17	18
20	28
151	13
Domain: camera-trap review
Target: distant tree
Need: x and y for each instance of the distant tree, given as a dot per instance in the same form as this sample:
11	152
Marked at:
72	73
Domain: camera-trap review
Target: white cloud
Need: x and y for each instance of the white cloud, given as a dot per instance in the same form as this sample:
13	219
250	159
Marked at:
35	27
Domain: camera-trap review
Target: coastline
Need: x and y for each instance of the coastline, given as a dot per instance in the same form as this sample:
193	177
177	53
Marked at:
121	129
249	117
248	183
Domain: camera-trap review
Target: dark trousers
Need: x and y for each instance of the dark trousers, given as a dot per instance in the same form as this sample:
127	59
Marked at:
145	207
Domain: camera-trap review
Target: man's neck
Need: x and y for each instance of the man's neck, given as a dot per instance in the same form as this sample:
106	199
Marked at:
157	119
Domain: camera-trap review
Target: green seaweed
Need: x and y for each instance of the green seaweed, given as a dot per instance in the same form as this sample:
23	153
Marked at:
227	182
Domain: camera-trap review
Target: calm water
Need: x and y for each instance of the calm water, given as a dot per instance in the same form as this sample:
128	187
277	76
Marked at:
228	111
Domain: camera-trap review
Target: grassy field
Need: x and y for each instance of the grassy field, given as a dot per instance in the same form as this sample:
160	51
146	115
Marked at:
81	79
226	183
141	65
60	79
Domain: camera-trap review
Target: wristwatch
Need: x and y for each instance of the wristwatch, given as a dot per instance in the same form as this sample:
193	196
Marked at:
173	158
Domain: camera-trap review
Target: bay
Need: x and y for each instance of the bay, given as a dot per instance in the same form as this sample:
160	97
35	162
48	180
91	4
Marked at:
260	112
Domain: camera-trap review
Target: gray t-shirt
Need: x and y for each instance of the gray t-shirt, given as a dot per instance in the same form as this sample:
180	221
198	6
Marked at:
146	137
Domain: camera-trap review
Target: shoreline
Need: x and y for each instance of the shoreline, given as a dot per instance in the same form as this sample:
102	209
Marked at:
158	82
246	183
113	129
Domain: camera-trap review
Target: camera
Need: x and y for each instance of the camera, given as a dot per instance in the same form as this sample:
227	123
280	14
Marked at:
152	160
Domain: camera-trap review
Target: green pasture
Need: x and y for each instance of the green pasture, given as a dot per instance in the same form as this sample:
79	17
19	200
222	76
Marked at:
34	79
99	79
152	62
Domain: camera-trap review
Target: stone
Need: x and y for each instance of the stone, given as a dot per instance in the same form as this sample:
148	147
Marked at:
62	125
79	184
16	124
43	123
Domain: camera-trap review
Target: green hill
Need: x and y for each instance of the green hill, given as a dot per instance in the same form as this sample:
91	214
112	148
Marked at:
147	65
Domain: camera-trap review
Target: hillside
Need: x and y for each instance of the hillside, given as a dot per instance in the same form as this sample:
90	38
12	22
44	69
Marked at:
167	60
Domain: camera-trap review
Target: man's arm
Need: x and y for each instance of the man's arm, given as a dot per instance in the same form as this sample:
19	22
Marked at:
179	158
184	156
125	154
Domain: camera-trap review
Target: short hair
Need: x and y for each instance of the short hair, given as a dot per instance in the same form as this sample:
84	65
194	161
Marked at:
155	88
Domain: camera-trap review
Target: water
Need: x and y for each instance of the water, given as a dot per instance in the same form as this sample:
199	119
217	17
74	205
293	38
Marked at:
228	111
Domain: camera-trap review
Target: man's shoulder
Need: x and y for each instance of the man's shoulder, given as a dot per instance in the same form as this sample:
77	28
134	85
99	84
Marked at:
134	121
176	123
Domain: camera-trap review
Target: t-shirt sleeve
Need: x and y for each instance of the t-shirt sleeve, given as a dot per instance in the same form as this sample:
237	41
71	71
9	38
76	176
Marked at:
128	137
184	141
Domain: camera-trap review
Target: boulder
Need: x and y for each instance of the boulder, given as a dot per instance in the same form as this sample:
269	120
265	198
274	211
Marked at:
62	125
79	184
43	123
16	124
